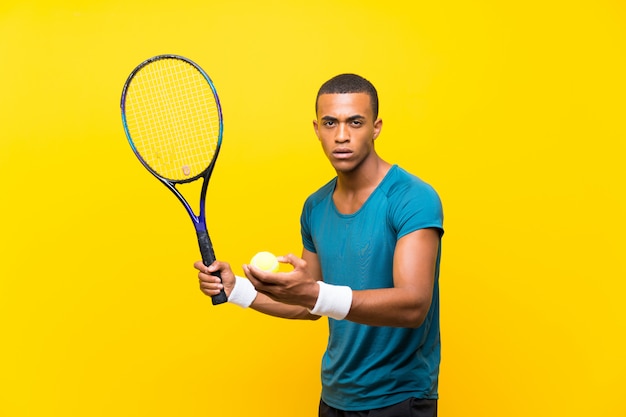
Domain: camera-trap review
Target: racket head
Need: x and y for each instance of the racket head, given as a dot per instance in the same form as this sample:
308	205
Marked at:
172	118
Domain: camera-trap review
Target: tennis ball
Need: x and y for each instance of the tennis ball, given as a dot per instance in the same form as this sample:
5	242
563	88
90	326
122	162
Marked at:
265	261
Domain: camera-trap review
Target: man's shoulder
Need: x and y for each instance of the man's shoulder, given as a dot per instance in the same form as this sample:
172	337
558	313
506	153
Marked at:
402	182
321	194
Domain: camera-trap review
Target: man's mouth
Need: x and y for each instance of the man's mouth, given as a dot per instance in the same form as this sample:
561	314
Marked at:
342	153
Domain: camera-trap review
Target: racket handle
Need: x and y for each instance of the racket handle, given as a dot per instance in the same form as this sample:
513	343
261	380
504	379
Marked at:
208	257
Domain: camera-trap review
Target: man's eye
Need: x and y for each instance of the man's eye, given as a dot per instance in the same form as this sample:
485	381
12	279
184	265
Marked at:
329	123
357	123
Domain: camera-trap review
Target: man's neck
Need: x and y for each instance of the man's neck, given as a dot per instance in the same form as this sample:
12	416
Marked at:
354	188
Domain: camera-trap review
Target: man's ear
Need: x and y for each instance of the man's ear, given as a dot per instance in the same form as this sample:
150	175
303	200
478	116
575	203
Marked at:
315	127
378	126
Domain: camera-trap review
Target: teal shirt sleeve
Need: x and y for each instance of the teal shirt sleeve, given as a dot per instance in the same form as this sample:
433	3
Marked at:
417	206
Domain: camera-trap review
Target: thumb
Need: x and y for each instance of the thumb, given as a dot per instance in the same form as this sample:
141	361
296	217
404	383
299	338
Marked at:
292	259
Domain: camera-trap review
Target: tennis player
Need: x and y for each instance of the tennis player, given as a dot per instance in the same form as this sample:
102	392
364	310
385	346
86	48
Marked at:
370	264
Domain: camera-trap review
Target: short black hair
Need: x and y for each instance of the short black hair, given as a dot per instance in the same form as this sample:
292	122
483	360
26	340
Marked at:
347	84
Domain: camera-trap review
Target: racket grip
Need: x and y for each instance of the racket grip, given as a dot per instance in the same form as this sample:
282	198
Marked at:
208	257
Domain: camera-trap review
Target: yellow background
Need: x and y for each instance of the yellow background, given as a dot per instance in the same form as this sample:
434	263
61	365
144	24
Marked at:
513	111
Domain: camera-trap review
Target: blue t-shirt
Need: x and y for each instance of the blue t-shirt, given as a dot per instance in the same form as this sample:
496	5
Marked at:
366	367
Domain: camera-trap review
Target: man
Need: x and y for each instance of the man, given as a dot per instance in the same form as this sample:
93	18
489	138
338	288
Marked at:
370	263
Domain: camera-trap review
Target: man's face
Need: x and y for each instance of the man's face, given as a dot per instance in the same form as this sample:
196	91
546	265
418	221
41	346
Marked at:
346	128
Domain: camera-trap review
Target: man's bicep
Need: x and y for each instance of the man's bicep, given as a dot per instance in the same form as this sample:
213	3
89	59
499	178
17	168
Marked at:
415	260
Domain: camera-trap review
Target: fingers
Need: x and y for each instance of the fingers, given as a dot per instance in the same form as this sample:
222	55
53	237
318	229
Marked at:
291	287
258	276
214	267
211	288
292	259
200	266
210	284
247	271
267	277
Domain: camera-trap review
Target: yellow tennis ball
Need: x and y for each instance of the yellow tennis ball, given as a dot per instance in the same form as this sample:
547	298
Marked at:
265	261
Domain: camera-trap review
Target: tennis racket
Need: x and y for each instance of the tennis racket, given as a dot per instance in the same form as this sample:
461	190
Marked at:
173	121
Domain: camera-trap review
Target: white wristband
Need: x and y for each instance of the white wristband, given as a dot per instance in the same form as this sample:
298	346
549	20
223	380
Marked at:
333	301
243	293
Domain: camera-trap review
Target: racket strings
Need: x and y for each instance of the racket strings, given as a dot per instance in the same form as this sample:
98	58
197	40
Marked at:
173	118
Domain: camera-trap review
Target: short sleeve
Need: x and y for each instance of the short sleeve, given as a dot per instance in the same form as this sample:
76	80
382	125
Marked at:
416	206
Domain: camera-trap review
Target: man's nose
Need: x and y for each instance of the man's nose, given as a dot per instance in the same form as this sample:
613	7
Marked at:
343	133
